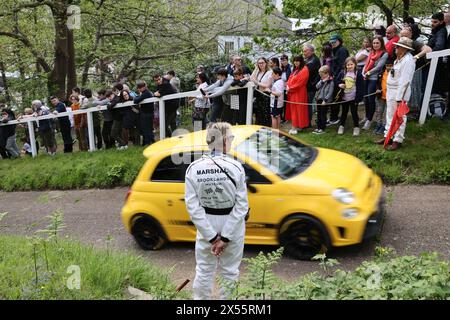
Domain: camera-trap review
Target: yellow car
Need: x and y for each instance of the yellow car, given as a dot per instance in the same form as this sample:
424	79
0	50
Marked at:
304	198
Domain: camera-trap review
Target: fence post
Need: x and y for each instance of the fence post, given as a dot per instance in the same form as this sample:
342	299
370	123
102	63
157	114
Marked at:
428	88
32	138
249	104
162	119
90	123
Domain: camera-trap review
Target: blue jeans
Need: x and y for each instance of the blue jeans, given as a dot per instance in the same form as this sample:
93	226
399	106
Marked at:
370	88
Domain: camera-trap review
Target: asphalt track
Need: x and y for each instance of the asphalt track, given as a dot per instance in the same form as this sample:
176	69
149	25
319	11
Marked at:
417	220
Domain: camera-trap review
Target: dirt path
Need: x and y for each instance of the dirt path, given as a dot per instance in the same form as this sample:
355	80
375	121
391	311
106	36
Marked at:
417	220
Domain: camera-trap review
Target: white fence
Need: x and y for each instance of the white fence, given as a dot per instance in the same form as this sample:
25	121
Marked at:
434	56
162	121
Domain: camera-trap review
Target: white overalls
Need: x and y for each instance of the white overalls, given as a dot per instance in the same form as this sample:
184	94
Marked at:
216	206
398	85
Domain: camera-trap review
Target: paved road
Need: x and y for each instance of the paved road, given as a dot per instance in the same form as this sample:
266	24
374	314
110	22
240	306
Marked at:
417	220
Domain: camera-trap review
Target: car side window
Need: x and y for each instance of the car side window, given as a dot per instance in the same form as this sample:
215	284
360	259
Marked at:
173	171
253	176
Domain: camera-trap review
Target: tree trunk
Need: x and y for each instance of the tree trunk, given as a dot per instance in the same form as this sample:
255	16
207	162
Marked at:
71	68
5	82
406	5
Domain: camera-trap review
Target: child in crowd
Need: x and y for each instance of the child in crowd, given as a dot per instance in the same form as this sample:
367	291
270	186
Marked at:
324	96
351	82
26	149
276	97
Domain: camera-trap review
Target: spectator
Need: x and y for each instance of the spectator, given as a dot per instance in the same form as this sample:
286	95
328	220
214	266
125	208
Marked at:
165	88
274	62
78	119
240	116
398	89
286	68
276	97
96	117
9	133
363	54
130	119
107	118
438	42
351	83
327	56
230	66
29	113
145	113
201	69
296	87
174	80
64	124
26	147
415	30
324	96
45	127
238	63
313	64
117	115
340	54
420	51
380	30
392	37
216	90
372	73
380	104
201	104
262	78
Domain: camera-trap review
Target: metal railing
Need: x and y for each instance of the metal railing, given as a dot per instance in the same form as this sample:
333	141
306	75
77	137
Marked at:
162	121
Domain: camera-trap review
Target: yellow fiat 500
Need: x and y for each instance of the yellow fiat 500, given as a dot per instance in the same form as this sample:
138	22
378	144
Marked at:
304	198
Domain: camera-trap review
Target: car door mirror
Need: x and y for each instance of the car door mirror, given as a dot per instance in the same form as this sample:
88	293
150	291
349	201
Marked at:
250	188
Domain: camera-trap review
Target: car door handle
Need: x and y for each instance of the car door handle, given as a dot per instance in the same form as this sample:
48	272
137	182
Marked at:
182	199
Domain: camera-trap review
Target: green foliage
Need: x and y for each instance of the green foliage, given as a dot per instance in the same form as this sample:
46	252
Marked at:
104	274
80	170
259	281
55	227
386	277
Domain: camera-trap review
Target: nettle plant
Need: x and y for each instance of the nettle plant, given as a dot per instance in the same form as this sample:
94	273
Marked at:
386	277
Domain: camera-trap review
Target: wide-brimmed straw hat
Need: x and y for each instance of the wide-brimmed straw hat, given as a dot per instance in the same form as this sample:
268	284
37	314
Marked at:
405	43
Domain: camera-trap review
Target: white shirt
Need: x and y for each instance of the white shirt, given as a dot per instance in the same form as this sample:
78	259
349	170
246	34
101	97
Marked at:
277	87
200	102
403	75
207	186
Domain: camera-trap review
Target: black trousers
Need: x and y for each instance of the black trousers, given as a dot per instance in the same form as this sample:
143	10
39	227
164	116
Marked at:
353	106
334	112
64	127
106	133
171	121
322	111
98	136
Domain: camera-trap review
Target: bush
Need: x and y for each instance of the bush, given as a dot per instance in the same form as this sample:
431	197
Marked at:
386	277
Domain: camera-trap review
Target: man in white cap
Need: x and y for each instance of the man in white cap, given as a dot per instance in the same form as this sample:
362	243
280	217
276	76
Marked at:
216	199
398	88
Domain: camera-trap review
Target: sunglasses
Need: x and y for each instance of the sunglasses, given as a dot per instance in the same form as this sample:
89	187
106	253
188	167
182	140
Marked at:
392	72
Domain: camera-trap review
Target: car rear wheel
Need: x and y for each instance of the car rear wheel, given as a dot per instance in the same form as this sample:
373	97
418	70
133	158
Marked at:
148	233
303	237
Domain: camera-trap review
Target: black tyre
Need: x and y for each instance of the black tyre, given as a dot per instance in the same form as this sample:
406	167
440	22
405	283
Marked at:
303	237
148	233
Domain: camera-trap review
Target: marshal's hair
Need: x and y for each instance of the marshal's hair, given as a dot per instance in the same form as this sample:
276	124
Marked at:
216	133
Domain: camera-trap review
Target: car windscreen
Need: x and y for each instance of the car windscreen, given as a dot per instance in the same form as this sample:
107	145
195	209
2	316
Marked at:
277	152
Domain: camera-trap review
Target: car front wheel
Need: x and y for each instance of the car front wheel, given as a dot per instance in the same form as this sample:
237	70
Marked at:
303	237
148	233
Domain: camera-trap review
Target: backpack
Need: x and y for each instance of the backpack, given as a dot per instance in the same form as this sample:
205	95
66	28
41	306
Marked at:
437	106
